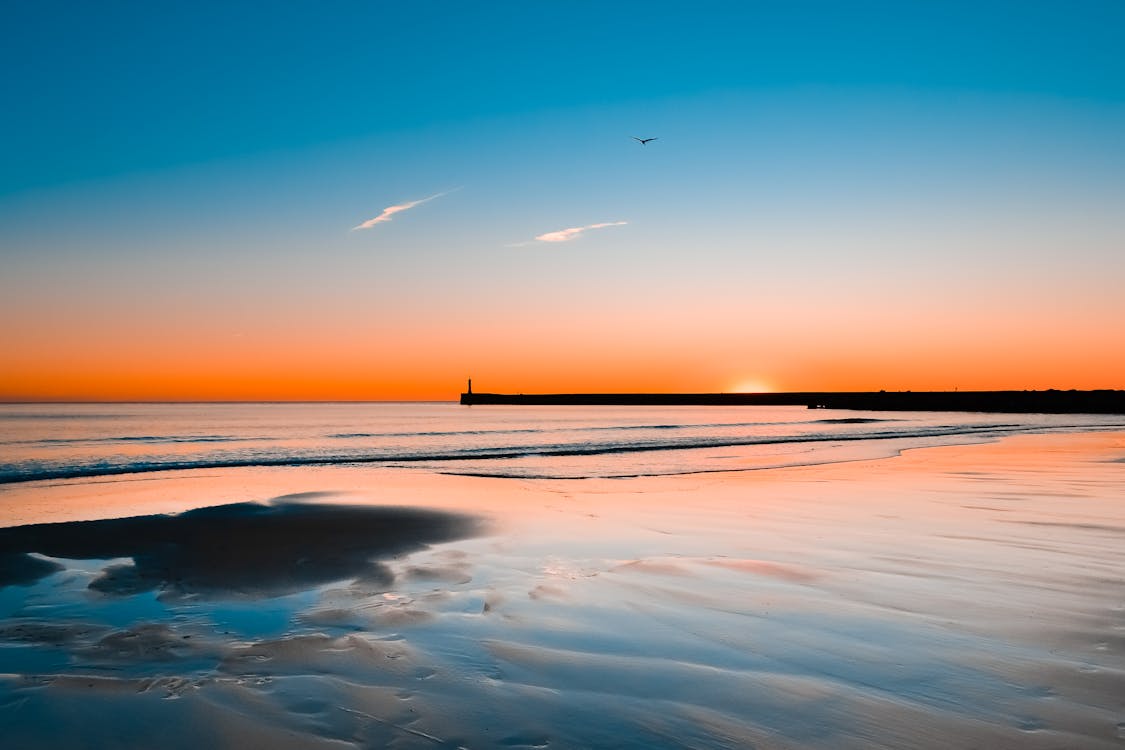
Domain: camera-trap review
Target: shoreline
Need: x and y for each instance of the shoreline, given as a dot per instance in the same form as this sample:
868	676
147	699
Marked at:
15	475
957	595
141	493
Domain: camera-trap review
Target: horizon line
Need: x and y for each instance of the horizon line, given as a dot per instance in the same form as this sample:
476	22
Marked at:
16	402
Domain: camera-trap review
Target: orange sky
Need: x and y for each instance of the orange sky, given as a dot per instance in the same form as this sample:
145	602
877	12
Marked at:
158	360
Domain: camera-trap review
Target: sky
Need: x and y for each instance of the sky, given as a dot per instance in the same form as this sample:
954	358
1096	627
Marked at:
368	200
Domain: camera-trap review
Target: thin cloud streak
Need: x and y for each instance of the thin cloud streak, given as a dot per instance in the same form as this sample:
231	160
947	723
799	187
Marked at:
566	235
390	211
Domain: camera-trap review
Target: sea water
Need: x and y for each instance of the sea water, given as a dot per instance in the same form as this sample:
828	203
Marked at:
431	575
66	441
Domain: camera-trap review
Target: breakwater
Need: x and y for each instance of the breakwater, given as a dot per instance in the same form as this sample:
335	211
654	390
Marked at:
1018	402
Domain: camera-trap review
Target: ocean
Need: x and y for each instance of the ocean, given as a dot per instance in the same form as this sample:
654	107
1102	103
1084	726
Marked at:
421	575
68	441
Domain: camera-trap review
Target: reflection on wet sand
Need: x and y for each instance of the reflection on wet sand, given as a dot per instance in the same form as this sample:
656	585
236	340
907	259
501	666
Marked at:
243	549
962	597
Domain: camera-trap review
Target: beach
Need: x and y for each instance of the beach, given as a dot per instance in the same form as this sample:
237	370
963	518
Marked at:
584	376
964	594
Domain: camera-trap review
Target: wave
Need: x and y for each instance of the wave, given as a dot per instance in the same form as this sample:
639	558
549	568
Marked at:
142	439
605	428
57	416
852	420
671	472
12	474
188	439
432	433
156	439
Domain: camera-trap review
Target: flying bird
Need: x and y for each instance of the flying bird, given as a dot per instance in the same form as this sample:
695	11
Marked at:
641	141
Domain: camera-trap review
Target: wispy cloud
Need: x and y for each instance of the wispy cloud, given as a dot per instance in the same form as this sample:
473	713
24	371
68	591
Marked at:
566	235
390	211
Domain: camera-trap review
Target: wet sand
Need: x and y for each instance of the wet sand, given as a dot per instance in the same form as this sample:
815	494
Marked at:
966	596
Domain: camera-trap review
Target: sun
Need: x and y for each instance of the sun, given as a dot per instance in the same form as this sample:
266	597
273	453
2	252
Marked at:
751	385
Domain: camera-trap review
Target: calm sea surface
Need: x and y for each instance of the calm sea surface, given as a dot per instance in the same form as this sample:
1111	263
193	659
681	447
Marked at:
60	441
420	575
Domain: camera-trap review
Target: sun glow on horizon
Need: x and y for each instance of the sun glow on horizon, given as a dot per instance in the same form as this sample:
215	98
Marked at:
752	386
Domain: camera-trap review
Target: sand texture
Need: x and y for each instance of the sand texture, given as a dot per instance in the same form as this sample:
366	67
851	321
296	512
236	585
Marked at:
962	596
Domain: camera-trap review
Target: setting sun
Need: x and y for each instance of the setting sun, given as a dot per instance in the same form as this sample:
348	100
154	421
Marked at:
752	386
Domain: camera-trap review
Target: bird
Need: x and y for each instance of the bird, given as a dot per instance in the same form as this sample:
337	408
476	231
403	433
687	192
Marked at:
641	141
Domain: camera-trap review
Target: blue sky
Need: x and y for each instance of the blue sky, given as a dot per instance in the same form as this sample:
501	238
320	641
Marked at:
100	89
219	153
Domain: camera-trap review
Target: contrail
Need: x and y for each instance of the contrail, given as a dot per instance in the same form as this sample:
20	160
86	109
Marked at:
565	235
390	211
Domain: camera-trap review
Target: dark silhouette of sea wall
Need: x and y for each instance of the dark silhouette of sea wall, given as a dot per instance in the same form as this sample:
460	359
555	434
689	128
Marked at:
1021	402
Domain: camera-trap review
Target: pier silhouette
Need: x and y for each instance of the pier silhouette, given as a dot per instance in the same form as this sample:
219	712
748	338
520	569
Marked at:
1016	402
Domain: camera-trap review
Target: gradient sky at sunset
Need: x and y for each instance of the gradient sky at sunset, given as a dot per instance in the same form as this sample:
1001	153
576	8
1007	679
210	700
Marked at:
366	200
